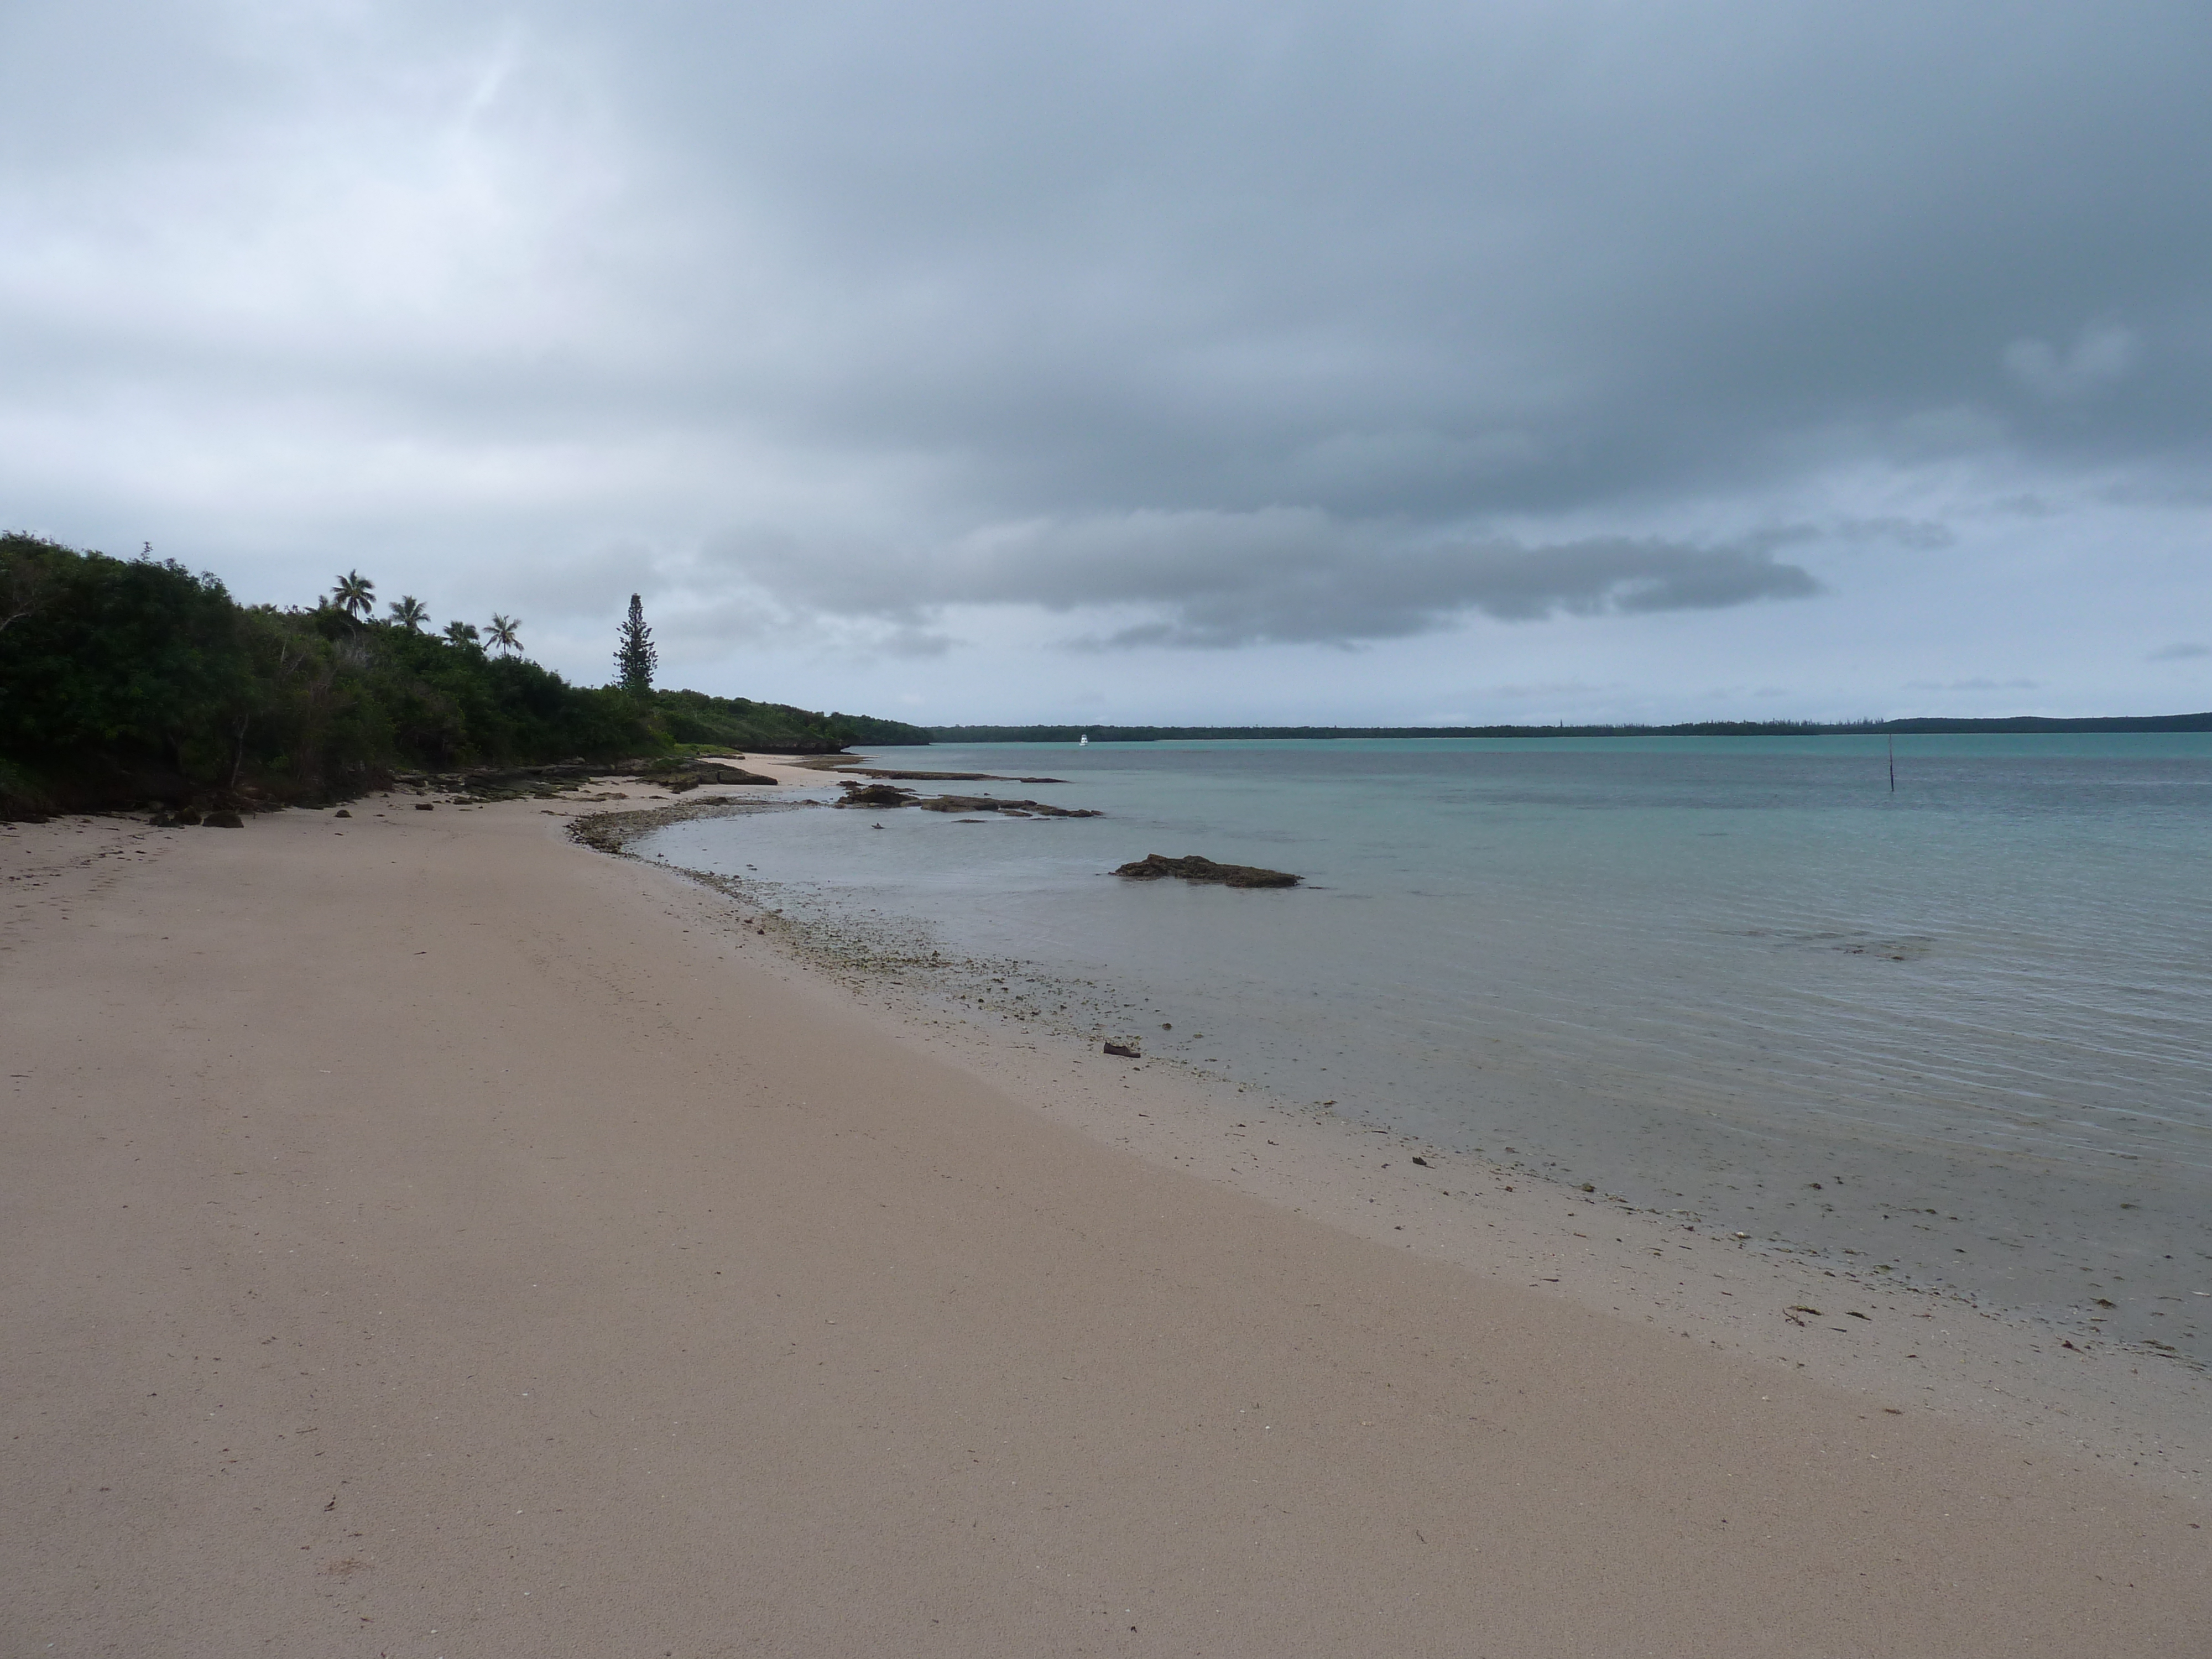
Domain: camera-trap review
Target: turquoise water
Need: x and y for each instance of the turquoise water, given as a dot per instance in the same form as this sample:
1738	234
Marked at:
1958	1032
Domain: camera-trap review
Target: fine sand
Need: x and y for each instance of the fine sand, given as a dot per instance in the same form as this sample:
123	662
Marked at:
428	1237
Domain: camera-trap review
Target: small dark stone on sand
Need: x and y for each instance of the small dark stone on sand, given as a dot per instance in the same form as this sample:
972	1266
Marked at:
1124	1050
426	806
223	820
1423	1162
341	813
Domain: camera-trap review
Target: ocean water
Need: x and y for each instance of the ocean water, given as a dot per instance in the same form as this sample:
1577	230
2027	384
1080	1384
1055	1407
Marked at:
1960	1033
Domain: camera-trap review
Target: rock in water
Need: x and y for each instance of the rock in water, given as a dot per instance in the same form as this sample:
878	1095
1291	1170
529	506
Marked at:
1020	809
886	794
876	794
1152	866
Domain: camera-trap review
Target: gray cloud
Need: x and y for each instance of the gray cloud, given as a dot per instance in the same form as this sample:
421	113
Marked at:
1278	576
2180	652
2099	360
1265	321
1917	533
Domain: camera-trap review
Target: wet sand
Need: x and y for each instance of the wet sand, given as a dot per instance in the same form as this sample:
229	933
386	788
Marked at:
427	1235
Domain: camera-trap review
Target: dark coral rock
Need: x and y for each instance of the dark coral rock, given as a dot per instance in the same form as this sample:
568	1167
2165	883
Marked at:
876	794
1152	866
1035	809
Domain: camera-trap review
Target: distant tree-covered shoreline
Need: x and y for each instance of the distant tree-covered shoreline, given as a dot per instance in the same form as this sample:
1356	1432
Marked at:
135	680
1920	725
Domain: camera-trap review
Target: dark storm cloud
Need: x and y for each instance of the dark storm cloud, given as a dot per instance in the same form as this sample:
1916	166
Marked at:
1415	270
1245	256
1249	321
1281	575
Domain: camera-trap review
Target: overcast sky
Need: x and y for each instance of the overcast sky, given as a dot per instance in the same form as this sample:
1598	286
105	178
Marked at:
1222	360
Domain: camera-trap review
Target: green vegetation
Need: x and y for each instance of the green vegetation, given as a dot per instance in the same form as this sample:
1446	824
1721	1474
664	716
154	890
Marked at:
636	658
695	719
2022	723
128	681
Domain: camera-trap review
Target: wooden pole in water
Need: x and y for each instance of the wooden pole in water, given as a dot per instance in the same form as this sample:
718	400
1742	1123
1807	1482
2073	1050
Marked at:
1892	765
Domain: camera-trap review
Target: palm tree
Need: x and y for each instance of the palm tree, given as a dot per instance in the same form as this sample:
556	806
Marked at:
409	612
461	633
502	632
355	594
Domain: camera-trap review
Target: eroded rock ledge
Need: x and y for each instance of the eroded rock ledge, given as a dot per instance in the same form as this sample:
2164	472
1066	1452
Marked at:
1154	866
885	795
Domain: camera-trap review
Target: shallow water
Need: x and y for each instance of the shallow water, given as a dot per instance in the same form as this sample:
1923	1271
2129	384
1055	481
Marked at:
1960	1031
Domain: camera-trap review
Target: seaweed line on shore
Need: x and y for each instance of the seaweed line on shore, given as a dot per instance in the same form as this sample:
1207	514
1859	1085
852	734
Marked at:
615	832
873	952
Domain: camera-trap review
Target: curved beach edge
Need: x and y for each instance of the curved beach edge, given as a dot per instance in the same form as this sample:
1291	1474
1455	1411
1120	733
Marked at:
423	1224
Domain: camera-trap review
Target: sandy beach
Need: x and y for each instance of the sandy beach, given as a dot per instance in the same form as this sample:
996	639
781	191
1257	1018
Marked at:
429	1237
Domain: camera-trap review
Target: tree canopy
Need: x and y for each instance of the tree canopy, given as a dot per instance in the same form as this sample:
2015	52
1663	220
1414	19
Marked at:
636	658
128	680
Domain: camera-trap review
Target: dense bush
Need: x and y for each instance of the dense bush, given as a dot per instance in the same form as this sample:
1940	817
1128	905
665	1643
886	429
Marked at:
125	680
740	723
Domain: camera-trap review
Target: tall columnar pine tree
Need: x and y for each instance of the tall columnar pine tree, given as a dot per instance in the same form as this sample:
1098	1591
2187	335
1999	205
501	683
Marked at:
124	681
635	657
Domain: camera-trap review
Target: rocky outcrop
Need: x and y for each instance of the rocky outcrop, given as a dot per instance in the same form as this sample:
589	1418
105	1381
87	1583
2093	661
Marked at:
548	783
877	794
689	774
885	795
851	771
1153	866
1033	809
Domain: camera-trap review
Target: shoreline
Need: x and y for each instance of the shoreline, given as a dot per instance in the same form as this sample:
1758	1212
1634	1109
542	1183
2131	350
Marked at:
638	1284
1917	1061
1999	1367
